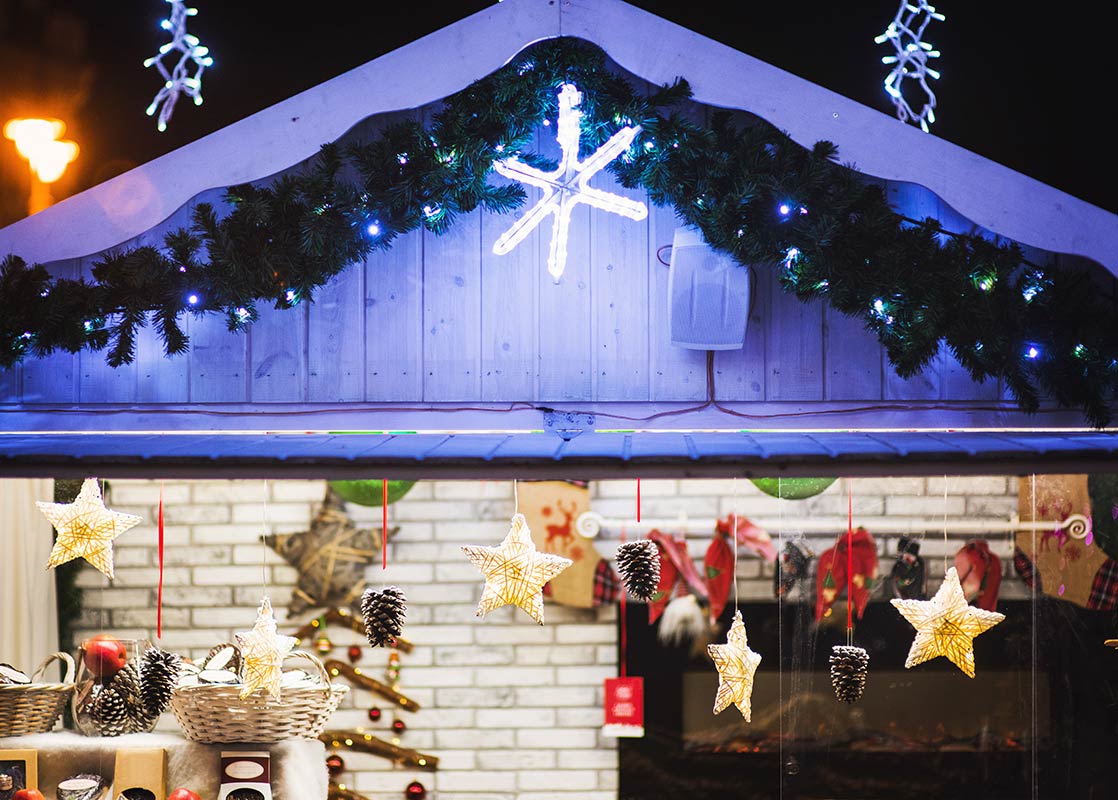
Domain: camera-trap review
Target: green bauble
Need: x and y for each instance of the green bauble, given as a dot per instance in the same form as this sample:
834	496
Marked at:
370	493
792	488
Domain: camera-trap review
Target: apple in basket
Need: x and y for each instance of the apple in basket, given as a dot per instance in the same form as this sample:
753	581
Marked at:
105	656
183	794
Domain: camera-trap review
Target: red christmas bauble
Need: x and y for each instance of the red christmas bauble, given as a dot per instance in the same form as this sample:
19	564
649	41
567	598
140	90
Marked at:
374	714
334	764
104	655
415	791
398	726
354	653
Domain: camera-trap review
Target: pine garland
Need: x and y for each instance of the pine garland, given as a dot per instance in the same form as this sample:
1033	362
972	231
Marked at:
753	192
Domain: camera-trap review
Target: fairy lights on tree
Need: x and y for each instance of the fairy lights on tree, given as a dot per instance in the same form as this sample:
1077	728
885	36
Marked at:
910	62
178	80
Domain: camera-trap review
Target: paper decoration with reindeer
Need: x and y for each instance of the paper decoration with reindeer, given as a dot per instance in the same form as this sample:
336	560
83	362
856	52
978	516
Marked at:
551	508
1073	569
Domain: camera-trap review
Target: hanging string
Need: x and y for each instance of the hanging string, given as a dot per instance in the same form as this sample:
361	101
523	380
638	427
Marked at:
734	534
264	549
383	524
624	622
1032	675
515	497
849	563
946	547
638	499
159	594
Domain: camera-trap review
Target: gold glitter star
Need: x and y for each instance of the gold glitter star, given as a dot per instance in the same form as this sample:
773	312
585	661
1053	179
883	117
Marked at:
736	665
86	528
515	572
262	653
946	625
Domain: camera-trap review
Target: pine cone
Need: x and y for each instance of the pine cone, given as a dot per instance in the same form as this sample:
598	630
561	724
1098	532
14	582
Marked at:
849	666
109	712
126	685
384	614
638	563
158	676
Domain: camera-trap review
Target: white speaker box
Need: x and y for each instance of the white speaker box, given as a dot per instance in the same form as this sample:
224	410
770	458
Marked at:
708	295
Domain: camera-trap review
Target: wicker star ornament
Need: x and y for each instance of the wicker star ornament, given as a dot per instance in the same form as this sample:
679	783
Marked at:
86	528
946	625
736	665
515	572
262	653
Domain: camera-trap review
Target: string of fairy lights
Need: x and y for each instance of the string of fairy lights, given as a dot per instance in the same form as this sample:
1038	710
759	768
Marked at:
910	60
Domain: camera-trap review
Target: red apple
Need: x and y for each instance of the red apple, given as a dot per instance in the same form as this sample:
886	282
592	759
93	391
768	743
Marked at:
28	794
105	656
183	794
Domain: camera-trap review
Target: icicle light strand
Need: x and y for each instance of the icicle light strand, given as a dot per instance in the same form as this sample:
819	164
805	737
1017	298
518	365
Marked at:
178	80
910	62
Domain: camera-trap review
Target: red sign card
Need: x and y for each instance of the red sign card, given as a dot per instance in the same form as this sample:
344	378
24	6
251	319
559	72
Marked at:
624	707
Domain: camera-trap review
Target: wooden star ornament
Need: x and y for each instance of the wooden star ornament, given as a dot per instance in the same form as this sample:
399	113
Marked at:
946	625
516	571
262	653
736	665
330	557
86	528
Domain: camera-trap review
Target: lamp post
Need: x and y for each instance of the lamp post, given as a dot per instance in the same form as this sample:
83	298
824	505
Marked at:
38	142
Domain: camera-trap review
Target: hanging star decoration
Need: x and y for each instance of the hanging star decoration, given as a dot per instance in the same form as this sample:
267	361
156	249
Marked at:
330	557
946	625
516	571
905	33
736	665
567	185
86	528
262	653
177	79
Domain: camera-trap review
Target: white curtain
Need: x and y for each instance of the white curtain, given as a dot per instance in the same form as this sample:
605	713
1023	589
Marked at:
28	615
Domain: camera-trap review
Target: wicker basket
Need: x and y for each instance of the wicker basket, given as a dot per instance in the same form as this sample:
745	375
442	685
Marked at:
213	713
35	707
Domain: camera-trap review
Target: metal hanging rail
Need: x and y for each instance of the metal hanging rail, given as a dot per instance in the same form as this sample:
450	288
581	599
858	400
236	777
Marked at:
1078	526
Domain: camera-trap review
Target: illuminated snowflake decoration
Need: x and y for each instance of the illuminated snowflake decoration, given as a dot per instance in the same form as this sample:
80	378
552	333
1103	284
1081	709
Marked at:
566	186
189	53
910	63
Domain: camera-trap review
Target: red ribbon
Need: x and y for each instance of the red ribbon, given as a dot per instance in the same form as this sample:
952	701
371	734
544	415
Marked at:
384	524
159	600
849	557
638	499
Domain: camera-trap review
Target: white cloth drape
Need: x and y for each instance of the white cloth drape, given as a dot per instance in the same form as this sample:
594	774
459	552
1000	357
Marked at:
28	615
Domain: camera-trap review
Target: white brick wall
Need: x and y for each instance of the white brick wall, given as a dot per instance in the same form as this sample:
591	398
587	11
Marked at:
512	709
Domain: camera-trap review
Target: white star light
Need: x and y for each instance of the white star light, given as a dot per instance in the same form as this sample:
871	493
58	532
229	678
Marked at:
566	185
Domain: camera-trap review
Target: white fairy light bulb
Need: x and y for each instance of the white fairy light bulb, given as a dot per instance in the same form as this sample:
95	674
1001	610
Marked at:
567	185
177	80
910	61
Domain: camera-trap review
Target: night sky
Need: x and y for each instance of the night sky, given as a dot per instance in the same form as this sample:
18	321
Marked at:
1027	90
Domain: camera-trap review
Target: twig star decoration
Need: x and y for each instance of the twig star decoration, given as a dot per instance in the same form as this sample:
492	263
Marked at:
946	625
176	80
515	572
566	185
736	665
86	528
262	653
911	60
330	557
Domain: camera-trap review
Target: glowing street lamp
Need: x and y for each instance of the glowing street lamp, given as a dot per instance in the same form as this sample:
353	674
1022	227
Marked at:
38	142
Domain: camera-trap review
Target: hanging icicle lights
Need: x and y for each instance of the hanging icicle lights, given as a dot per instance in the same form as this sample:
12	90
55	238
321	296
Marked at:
178	80
905	33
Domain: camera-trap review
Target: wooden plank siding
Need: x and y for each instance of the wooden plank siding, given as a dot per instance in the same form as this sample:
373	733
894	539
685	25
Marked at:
441	319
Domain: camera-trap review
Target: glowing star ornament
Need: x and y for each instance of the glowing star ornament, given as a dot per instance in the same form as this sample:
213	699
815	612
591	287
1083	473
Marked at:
86	528
515	572
910	63
736	665
567	185
262	653
946	625
177	79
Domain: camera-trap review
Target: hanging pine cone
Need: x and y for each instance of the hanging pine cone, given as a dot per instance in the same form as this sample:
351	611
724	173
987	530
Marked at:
158	675
638	563
849	666
384	614
109	712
